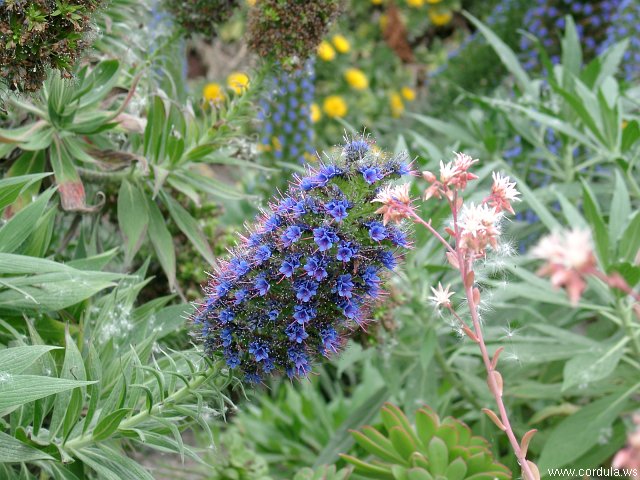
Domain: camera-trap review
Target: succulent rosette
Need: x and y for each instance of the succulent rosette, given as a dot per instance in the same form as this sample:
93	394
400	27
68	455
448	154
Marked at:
306	275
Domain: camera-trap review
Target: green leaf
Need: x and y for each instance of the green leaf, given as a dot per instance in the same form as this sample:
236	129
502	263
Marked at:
72	195
14	451
20	389
66	408
113	465
454	132
594	217
162	242
507	56
17	359
620	209
132	217
109	424
630	241
189	227
591	367
578	433
438	456
571	50
17	230
12	187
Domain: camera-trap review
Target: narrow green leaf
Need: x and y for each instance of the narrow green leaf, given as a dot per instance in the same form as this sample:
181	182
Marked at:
12	187
132	217
630	240
16	231
189	227
109	424
162	242
620	209
507	56
594	217
14	451
17	359
591	367
17	390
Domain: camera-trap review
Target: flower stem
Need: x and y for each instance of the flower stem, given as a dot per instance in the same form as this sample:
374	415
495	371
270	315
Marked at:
83	441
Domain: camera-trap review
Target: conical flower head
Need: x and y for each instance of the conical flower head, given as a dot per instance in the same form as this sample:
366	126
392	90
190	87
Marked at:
309	270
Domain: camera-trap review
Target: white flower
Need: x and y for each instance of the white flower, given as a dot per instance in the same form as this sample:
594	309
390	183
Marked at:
396	203
441	296
503	192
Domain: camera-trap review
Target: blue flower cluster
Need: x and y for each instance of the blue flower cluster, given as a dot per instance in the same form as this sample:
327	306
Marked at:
625	23
286	127
309	271
546	19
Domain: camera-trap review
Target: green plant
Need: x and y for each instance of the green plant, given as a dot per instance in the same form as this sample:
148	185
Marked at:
432	450
323	473
41	35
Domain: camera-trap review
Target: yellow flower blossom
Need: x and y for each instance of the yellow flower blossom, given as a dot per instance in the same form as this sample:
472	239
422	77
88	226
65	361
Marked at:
415	3
384	20
341	43
326	51
275	141
238	82
213	92
396	104
251	3
315	113
433	2
356	79
335	106
376	2
408	93
440	18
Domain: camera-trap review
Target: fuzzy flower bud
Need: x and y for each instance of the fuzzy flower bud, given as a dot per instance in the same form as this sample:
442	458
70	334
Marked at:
289	31
200	16
309	271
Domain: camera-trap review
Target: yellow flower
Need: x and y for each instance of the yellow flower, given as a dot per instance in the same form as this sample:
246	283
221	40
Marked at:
376	2
212	92
238	82
251	3
415	3
397	107
315	113
383	22
341	43
408	93
326	51
356	79
433	2
276	143
440	18
334	106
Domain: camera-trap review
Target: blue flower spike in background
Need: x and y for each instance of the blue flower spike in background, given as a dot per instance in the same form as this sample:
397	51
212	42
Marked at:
307	274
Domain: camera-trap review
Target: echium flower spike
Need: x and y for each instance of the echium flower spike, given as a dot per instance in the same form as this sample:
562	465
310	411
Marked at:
309	271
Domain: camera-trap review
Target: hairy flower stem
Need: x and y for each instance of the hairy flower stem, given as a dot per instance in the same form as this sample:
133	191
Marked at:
83	441
472	294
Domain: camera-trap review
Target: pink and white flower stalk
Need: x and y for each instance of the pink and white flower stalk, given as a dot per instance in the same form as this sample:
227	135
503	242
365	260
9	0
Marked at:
629	457
475	228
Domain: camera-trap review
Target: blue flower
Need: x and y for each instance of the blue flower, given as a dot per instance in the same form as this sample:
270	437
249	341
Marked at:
262	254
285	299
372	174
304	313
291	235
259	350
296	333
226	316
355	150
262	284
337	209
324	237
344	286
305	289
346	250
316	267
289	265
377	231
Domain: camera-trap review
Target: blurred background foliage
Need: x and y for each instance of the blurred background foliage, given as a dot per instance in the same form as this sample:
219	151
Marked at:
129	170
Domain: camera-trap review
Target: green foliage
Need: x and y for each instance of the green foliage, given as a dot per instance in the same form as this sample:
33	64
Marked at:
200	16
433	450
39	36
